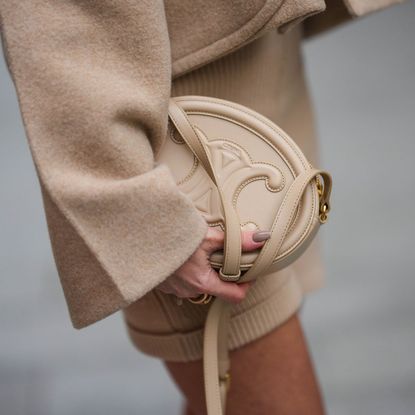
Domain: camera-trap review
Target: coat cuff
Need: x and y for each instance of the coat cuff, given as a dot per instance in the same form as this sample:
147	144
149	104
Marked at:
110	253
93	81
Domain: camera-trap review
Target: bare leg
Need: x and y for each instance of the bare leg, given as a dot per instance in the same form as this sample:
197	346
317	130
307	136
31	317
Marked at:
272	375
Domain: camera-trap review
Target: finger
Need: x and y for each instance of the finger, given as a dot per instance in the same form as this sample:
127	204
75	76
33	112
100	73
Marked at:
249	243
229	291
215	239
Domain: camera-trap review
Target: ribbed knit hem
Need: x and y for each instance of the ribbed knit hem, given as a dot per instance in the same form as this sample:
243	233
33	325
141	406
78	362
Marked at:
244	328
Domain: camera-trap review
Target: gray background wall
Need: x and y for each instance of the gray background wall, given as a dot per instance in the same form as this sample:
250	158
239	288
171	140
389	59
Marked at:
360	326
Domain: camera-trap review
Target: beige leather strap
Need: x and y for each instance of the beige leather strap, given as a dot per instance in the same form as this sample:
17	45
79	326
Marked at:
283	219
216	362
215	351
215	343
232	246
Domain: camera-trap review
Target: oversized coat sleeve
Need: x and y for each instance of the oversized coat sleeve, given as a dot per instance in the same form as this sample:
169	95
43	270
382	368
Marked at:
93	81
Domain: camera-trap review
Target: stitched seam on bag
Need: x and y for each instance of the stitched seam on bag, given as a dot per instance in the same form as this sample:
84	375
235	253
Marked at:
195	159
217	223
173	138
191	172
250	221
242	224
242	185
292	246
218	185
311	217
246	182
264	120
236	194
284	202
306	231
297	216
202	145
254	162
253	131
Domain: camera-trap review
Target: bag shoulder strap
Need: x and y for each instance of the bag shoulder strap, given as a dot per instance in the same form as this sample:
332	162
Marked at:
230	270
215	342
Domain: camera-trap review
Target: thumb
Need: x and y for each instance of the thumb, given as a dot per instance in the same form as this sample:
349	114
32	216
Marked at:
252	240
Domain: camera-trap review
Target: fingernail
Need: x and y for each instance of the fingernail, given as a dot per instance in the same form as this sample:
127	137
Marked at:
260	236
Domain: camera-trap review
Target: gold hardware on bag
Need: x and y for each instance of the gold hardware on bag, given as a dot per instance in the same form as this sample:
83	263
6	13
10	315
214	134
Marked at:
201	299
324	207
323	215
227	379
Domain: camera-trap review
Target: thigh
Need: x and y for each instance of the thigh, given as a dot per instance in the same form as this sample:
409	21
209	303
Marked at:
271	375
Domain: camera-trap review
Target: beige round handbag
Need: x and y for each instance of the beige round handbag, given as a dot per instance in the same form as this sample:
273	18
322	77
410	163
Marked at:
242	172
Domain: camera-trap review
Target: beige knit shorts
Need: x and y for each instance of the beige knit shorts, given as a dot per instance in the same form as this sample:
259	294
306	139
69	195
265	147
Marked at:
267	76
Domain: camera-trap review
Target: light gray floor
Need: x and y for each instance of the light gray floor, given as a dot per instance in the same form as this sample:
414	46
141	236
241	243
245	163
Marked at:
360	327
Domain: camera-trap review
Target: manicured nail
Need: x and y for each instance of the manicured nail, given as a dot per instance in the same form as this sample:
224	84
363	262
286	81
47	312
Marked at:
260	236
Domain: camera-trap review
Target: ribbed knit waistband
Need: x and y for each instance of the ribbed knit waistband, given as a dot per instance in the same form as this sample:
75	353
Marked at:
244	328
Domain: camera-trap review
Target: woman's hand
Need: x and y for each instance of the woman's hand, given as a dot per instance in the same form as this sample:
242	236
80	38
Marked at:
196	276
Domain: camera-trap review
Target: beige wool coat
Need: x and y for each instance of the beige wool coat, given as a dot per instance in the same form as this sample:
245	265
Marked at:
93	79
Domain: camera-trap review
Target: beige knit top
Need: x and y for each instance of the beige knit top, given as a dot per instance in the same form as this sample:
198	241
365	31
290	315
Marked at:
266	75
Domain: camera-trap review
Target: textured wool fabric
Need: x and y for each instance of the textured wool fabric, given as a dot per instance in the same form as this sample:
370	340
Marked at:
93	79
202	31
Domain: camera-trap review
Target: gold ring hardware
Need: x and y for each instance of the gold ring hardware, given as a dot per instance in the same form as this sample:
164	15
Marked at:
323	215
229	277
226	378
201	299
324	207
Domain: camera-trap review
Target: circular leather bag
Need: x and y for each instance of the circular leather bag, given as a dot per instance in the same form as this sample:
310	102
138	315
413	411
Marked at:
243	172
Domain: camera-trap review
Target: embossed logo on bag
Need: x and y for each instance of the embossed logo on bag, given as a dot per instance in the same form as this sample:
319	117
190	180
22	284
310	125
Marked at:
234	168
